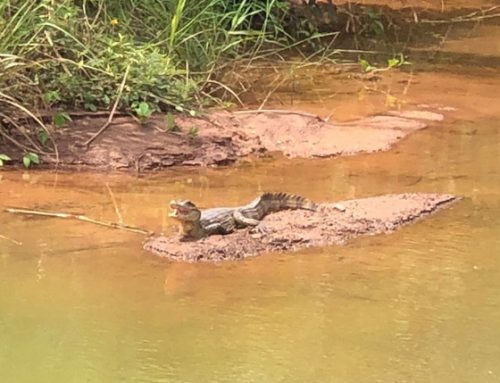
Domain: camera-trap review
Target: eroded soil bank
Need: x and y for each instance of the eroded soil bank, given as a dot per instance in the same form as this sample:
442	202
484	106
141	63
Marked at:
223	137
293	230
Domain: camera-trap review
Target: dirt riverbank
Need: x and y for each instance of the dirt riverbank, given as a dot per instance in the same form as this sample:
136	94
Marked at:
221	138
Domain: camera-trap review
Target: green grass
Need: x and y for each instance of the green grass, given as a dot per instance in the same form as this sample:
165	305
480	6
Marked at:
143	55
73	53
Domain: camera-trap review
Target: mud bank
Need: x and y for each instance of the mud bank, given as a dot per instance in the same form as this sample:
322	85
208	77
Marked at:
223	137
293	230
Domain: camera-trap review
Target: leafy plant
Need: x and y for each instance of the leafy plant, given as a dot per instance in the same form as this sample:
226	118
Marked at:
375	24
397	62
51	96
72	48
142	110
367	67
193	132
30	158
73	54
3	158
89	103
391	63
60	119
43	137
171	124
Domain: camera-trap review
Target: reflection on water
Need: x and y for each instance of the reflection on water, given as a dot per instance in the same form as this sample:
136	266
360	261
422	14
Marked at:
79	303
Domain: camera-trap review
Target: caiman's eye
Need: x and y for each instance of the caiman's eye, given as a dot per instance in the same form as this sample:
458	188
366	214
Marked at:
189	204
183	206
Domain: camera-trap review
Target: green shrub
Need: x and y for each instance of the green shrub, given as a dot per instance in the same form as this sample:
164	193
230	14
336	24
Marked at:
74	53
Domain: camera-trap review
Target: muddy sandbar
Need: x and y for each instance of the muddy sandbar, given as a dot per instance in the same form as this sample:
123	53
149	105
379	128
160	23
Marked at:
293	230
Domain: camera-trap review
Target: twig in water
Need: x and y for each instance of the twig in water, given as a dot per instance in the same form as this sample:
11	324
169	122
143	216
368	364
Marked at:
79	217
280	111
475	16
261	106
118	214
10	240
111	115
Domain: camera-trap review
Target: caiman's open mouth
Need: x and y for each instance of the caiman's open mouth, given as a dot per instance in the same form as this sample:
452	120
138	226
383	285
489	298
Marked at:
178	210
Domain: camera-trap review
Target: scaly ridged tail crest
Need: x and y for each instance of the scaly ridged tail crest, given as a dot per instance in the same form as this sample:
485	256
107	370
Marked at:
272	202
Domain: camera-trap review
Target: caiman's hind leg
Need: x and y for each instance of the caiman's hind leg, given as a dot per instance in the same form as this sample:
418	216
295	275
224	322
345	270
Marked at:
243	221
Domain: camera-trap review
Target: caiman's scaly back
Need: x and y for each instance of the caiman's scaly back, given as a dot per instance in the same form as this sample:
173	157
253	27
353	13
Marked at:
274	202
196	223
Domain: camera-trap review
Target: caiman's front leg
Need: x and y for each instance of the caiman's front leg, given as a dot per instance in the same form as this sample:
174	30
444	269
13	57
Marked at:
243	221
217	228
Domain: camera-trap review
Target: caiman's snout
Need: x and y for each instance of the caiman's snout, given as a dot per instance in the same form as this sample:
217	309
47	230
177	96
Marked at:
184	210
175	207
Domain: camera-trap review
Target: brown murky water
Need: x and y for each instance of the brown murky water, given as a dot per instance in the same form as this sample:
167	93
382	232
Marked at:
421	4
79	303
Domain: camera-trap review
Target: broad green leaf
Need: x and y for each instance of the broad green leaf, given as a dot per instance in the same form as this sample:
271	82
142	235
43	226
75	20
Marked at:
367	67
34	158
43	137
52	96
143	109
26	161
90	106
4	157
391	63
380	26
60	118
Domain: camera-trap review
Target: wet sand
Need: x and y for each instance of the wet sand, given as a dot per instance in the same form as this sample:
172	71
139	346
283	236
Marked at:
225	137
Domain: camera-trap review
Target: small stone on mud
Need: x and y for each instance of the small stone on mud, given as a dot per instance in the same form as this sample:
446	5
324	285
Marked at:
339	207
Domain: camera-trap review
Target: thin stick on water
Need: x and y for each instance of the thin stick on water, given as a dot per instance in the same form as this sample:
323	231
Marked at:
475	16
261	106
111	115
10	240
279	111
115	205
79	217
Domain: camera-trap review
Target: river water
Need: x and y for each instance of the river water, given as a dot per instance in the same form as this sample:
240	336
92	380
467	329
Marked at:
80	303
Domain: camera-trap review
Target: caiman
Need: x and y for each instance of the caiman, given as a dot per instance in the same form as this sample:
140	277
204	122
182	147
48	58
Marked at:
196	223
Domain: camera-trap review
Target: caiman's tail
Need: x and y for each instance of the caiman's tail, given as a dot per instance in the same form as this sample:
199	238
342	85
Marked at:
272	202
